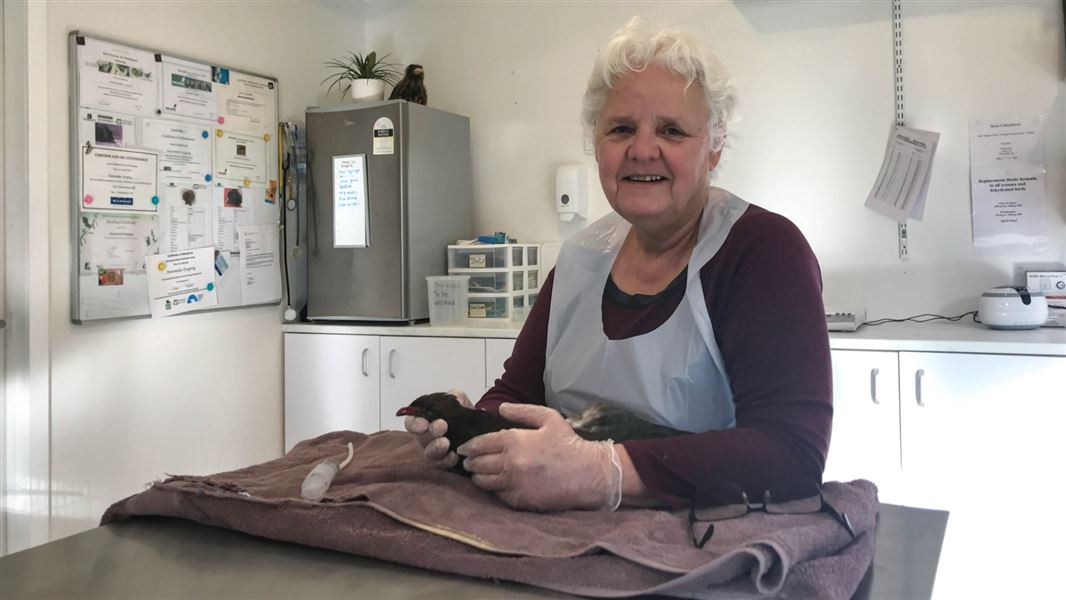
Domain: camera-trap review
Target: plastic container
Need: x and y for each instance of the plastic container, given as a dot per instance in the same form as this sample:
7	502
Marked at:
488	307
448	299
488	283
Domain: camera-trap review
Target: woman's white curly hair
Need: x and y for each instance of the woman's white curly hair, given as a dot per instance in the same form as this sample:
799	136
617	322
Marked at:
637	45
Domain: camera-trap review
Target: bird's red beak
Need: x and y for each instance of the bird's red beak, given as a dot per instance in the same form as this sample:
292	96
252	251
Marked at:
407	410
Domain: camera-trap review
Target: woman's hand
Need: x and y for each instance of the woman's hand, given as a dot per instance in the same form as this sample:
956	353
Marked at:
545	469
431	435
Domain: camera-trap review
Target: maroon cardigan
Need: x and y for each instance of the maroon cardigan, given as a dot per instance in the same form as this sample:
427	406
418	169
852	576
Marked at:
763	294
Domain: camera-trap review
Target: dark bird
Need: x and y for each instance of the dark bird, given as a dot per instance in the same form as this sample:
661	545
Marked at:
600	421
603	421
412	87
463	423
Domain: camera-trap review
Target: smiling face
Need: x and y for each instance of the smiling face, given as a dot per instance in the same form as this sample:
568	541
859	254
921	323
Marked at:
653	150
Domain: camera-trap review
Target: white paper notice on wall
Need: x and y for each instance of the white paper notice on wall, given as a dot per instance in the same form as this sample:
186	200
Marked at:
901	186
187	218
260	276
1007	186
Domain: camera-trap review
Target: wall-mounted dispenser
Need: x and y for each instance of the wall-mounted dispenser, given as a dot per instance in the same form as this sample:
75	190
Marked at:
572	191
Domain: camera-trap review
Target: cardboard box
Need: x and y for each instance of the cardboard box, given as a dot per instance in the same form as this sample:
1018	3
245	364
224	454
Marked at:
1053	285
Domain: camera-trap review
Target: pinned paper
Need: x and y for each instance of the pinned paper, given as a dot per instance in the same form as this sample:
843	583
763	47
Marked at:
180	282
901	186
1008	186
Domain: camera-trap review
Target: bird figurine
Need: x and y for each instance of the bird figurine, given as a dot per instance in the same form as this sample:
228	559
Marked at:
412	87
599	421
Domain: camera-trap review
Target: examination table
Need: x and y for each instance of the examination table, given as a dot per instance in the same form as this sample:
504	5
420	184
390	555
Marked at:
159	557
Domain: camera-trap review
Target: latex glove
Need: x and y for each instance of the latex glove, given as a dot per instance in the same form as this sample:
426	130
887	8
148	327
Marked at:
431	435
544	469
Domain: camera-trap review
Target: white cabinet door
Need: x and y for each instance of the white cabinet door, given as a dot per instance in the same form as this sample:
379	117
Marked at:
865	442
982	438
497	350
413	366
331	383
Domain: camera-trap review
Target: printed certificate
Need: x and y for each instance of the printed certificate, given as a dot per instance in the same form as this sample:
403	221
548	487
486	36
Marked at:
118	180
188	89
184	151
181	281
240	157
246	103
116	242
117	78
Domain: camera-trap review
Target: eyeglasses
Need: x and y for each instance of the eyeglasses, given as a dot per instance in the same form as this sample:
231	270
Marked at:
810	505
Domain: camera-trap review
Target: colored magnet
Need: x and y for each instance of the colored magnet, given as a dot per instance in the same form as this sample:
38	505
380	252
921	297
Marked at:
205	134
155	199
247	182
266	137
218	132
210	286
207	177
221	120
88	199
162	266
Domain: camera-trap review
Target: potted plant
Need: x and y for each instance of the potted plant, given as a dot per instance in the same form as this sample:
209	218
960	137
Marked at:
365	76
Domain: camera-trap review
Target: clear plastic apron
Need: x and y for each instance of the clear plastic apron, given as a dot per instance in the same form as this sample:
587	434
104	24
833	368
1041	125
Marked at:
672	376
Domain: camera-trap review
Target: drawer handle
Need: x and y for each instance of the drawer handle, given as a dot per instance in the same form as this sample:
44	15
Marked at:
918	386
873	385
366	368
392	364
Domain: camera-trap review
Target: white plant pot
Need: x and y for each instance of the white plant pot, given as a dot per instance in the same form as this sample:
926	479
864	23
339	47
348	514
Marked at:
367	90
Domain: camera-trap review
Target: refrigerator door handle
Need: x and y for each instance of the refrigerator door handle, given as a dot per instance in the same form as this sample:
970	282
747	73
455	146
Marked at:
392	363
366	370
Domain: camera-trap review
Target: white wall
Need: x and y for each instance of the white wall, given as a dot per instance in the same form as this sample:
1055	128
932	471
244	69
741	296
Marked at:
816	87
131	399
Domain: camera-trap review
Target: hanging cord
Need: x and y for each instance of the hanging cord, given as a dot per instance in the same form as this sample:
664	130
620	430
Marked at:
283	200
924	318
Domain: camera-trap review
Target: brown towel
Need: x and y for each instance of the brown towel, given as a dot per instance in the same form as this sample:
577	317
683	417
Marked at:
391	504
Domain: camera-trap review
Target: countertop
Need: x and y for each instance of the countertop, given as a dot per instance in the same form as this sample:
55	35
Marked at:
965	337
158	557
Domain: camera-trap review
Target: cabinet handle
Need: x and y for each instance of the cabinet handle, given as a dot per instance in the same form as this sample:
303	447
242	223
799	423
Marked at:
392	364
873	385
366	369
918	386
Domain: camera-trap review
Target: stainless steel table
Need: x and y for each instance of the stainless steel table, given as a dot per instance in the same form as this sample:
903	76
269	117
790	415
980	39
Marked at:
157	557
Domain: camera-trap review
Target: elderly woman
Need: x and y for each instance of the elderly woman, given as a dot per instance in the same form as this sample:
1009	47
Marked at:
686	306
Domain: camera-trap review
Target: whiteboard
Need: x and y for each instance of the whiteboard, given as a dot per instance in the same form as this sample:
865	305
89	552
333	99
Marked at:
168	154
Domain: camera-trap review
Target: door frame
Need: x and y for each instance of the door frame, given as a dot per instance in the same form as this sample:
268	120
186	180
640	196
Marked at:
25	472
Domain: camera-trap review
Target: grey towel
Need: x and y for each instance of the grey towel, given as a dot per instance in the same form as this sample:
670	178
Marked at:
391	504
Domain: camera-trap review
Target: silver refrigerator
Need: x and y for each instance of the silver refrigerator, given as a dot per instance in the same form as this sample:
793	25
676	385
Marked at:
390	189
